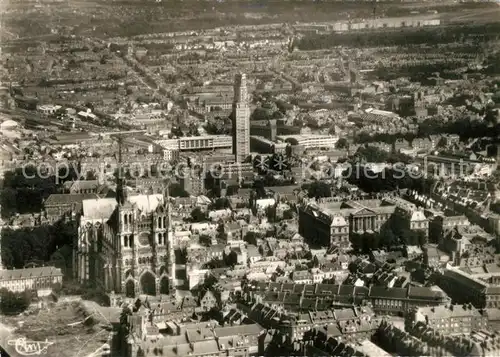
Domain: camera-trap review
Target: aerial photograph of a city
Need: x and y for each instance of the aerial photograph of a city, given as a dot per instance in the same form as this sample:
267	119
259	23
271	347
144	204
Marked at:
236	178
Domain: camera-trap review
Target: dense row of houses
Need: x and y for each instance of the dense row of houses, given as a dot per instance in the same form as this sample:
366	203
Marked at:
298	297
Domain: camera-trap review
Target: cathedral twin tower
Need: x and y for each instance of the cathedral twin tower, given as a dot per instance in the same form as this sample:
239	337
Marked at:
126	244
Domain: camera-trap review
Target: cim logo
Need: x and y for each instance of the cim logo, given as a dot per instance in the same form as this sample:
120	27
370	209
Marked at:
30	348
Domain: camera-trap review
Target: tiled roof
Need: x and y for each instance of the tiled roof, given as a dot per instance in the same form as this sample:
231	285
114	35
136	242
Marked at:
68	199
343	292
29	273
416	292
99	208
383	292
441	312
82	184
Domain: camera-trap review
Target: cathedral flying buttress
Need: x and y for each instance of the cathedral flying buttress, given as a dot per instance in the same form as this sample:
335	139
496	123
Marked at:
126	246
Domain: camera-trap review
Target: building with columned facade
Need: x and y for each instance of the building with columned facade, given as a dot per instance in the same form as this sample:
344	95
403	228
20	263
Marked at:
332	222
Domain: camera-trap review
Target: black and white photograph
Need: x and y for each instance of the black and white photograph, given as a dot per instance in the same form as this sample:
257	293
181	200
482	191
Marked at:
249	178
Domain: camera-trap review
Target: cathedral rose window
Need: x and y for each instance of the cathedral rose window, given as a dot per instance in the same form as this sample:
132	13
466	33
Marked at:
144	238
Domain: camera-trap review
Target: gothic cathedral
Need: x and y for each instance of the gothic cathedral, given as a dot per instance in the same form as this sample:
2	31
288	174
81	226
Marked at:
126	244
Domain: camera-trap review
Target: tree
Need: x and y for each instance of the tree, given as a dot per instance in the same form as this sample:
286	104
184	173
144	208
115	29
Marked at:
342	143
124	328
193	130
372	241
176	131
283	106
221	231
387	238
319	189
176	190
25	245
197	215
278	115
399	225
231	259
90	175
205	240
9	202
279	162
271	213
289	214
214	264
219	126
251	238
221	203
261	114
389	179
372	154
23	190
258	192
421	238
89	105
12	303
57	288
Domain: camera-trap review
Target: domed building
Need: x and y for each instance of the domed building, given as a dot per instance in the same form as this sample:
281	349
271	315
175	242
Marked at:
8	125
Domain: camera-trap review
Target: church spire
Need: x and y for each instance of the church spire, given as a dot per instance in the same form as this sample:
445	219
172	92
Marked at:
169	209
171	267
120	189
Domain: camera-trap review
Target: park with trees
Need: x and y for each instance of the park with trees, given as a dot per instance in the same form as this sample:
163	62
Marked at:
13	303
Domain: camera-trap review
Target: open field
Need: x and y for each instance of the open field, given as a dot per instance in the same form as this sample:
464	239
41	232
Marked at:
52	324
99	18
478	16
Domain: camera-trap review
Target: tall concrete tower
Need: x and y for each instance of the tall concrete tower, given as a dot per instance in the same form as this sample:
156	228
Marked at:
241	119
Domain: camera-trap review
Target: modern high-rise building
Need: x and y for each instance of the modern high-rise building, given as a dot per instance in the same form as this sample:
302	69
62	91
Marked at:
241	119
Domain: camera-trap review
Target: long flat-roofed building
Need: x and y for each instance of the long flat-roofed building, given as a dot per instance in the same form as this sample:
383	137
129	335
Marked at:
41	279
310	141
205	142
70	139
467	288
453	319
